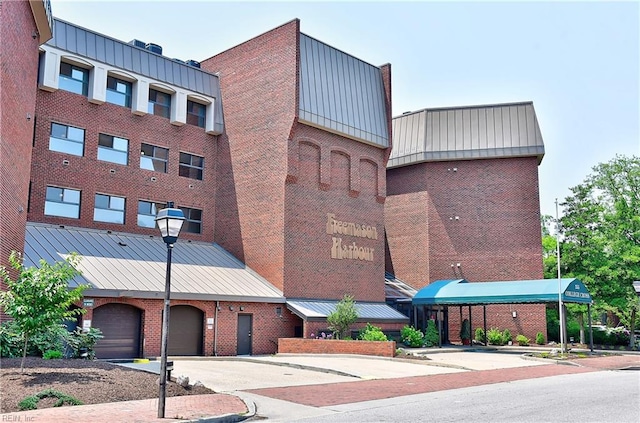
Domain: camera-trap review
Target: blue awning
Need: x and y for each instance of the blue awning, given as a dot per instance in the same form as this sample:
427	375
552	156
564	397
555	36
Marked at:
461	292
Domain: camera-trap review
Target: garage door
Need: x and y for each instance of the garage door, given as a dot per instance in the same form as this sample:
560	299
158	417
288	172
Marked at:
120	325
185	330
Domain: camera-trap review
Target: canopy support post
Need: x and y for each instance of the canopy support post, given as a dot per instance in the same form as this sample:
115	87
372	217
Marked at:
461	321
440	315
415	317
470	327
590	327
484	316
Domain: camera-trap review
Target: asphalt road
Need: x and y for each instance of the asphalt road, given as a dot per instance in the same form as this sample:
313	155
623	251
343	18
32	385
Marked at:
605	396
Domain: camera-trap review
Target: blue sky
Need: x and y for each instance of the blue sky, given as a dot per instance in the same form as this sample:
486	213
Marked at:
577	61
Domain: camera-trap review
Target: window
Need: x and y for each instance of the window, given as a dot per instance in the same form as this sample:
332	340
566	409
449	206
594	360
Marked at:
147	212
159	103
74	79
193	222
66	139
108	208
191	166
62	202
118	91
113	149
154	158
196	113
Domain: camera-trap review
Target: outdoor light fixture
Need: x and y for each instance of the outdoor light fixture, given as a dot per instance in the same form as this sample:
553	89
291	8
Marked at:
169	222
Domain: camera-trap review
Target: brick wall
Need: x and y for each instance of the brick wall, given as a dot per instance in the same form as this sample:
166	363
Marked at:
18	76
323	346
258	80
92	176
267	326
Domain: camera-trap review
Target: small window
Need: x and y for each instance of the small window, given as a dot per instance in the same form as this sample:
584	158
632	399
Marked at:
154	158
118	91
109	208
191	166
159	103
196	113
193	222
147	212
62	202
74	79
113	149
66	139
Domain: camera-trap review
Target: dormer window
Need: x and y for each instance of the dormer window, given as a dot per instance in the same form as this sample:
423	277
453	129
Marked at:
118	91
74	79
159	103
196	113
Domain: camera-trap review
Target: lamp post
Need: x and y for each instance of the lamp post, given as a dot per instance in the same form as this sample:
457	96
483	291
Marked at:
169	221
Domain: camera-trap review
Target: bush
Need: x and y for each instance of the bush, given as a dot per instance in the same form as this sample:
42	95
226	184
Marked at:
465	329
506	336
51	354
344	315
31	403
82	342
480	337
372	333
412	337
431	337
52	339
540	338
522	340
494	336
11	340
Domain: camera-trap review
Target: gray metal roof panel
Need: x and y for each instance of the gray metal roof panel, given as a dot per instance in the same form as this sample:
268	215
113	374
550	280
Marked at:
462	133
131	264
367	312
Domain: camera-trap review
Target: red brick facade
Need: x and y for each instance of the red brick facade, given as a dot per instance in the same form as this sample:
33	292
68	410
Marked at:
18	79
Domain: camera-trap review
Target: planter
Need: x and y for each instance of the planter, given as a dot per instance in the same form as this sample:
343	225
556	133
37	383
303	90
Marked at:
466	342
334	346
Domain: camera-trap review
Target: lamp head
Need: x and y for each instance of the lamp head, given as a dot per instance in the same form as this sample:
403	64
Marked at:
169	221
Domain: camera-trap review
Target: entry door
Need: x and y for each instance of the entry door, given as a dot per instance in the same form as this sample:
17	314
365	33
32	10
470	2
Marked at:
245	323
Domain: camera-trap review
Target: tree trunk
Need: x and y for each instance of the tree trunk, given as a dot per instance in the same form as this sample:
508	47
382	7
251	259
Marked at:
24	353
581	321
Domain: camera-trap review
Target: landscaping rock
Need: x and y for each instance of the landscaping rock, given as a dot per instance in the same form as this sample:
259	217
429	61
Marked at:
182	381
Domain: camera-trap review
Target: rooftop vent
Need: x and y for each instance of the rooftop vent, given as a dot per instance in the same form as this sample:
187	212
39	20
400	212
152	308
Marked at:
193	63
179	61
153	48
138	43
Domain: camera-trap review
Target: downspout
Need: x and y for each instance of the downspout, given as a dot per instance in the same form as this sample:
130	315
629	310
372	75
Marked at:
215	330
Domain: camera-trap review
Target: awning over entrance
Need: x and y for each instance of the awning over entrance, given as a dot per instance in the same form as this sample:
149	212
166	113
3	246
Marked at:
317	310
461	292
128	265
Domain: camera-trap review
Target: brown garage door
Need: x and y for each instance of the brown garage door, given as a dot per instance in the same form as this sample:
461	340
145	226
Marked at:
185	330
120	325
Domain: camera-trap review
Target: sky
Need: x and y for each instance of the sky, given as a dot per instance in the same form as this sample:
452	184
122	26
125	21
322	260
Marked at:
578	62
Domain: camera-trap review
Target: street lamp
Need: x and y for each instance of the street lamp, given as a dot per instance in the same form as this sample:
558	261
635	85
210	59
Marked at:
169	222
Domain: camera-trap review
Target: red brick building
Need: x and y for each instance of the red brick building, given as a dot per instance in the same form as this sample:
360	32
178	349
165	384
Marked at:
278	151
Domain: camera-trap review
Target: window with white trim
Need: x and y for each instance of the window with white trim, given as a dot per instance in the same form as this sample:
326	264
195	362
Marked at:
193	220
147	212
109	209
154	158
74	79
118	91
191	166
66	139
113	149
62	202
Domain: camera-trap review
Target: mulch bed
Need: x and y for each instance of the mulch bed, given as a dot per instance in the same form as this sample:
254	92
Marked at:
92	382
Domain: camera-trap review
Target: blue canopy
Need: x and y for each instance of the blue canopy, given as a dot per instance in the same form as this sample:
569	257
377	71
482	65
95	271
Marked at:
461	292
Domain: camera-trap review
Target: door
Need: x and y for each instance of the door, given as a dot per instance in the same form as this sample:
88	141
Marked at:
120	326
185	330
245	323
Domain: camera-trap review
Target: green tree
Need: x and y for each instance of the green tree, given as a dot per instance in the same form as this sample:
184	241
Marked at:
601	226
549	247
343	316
39	298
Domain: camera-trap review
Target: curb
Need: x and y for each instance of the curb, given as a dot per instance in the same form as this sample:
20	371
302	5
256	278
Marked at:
229	418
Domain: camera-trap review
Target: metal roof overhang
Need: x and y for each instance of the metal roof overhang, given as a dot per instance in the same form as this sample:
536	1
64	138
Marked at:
318	310
128	265
461	292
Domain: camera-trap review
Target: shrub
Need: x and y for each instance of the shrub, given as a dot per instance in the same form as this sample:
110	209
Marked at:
51	339
480	337
31	402
522	340
540	338
506	336
82	342
494	336
465	329
431	337
412	337
48	355
372	333
11	339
